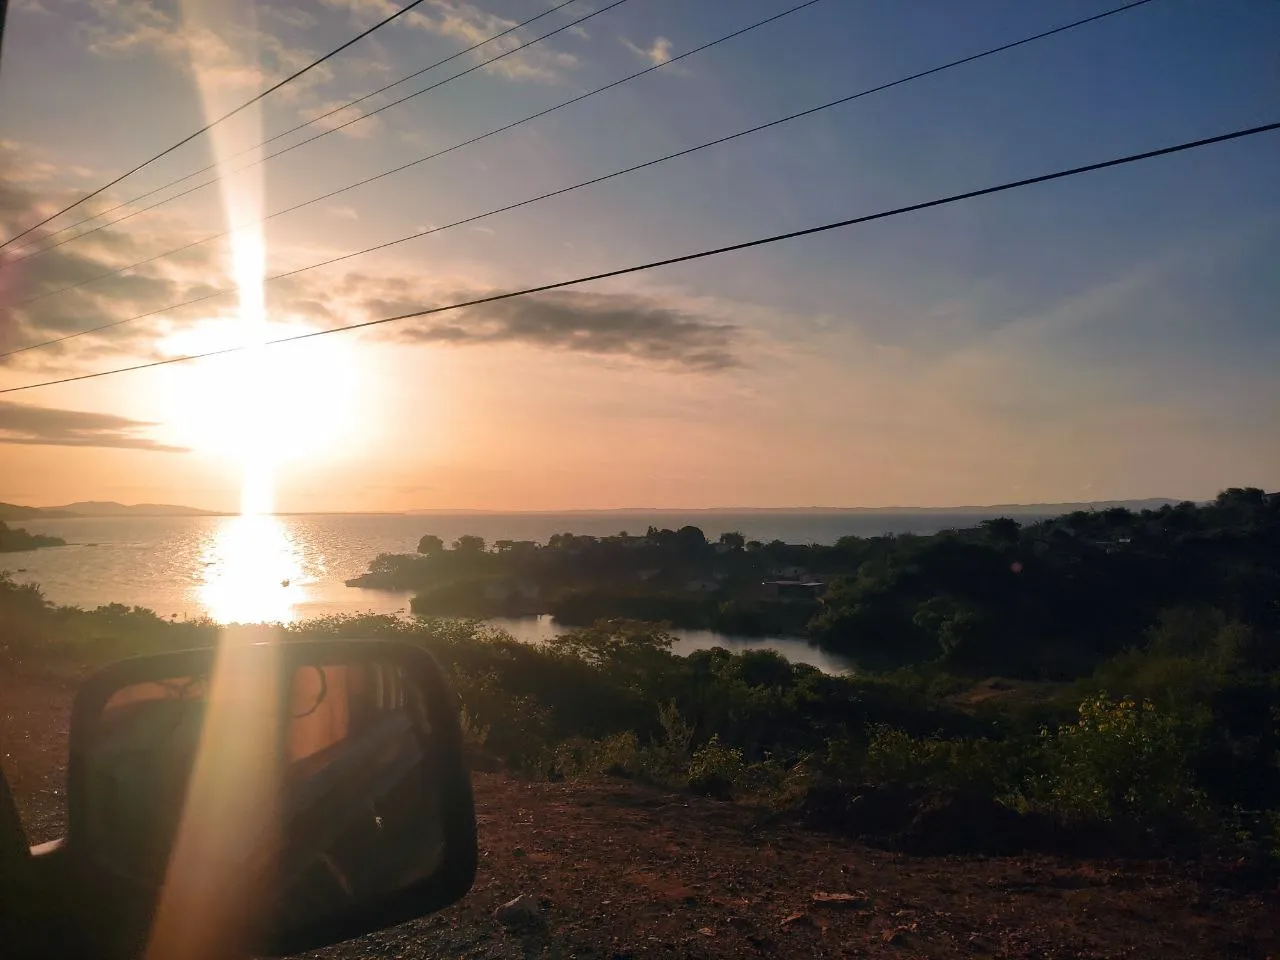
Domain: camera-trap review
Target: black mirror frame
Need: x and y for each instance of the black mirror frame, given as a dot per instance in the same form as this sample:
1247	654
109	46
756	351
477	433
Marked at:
457	872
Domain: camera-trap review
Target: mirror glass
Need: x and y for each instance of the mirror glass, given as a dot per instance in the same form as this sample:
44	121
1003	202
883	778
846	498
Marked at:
308	789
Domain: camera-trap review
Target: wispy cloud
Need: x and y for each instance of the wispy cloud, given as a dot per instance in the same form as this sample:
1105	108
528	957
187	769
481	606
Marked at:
237	57
656	53
48	426
469	24
625	325
663	331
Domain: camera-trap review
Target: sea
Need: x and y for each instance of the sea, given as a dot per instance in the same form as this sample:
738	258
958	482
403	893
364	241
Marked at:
286	568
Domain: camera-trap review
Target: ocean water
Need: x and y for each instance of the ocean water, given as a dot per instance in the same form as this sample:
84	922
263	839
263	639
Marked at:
288	568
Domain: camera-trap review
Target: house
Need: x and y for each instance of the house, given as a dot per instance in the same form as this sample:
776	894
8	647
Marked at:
794	589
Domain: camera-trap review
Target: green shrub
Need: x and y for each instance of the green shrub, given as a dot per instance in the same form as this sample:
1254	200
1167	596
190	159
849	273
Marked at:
515	727
621	756
994	768
1121	760
894	756
674	746
715	770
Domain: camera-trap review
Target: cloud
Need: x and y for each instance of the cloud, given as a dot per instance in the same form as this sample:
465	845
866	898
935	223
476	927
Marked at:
469	24
656	53
328	116
662	330
289	16
234	56
48	426
627	325
142	290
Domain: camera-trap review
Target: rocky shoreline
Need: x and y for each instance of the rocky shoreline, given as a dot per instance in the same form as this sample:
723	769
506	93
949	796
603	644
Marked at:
17	540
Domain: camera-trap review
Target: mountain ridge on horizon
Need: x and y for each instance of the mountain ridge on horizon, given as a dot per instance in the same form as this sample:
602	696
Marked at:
84	509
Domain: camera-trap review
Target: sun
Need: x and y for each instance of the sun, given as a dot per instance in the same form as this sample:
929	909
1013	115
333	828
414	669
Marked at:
265	404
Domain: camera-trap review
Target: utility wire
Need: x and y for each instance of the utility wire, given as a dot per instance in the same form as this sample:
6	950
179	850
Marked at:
404	166
685	258
213	123
334	129
531	200
29	252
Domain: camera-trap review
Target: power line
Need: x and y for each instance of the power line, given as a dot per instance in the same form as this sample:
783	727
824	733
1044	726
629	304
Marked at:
530	200
684	258
284	133
405	166
213	123
334	129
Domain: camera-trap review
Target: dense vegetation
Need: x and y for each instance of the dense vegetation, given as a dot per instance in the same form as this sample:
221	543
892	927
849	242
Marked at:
14	539
670	576
1157	728
1050	600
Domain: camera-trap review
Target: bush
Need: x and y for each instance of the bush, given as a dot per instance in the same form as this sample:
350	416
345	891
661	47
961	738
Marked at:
994	768
715	769
515	727
1122	760
894	756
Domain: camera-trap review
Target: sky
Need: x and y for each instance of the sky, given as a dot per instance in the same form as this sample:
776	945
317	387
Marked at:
1109	336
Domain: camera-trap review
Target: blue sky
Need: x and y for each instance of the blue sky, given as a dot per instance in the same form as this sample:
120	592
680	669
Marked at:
1112	335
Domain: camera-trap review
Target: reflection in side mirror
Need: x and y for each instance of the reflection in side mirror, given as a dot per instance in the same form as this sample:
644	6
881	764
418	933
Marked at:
296	793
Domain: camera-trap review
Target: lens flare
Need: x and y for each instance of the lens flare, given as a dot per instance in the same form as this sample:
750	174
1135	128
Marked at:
229	817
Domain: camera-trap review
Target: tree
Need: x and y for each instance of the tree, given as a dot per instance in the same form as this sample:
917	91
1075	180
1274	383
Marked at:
1001	530
690	539
430	544
1117	518
662	539
469	544
733	540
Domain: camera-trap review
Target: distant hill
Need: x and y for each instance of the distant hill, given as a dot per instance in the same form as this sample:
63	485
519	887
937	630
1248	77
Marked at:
99	508
990	510
13	511
1014	509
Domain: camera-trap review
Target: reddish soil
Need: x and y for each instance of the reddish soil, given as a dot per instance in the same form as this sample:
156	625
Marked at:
623	871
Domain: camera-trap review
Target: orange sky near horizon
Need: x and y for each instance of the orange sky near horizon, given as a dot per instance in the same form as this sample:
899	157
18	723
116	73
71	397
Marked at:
1107	337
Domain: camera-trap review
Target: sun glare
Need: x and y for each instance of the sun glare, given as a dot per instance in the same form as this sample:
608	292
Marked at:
296	402
253	571
259	406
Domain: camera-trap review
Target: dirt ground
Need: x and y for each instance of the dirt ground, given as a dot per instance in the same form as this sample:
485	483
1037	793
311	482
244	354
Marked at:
623	871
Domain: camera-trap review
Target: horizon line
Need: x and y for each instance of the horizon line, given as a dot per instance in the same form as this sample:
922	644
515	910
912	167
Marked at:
810	508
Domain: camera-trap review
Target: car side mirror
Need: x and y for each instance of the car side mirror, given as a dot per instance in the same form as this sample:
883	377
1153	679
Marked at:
266	797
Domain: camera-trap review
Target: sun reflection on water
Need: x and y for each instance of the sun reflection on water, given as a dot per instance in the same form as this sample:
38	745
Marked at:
254	571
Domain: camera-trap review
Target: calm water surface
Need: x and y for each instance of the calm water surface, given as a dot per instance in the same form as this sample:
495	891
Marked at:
287	568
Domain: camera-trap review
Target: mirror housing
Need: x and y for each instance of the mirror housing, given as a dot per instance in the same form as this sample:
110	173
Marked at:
291	794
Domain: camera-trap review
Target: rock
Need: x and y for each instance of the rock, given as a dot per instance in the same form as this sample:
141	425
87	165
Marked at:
522	912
